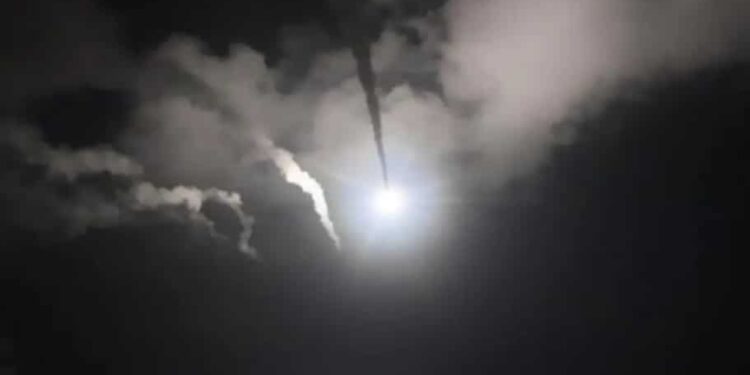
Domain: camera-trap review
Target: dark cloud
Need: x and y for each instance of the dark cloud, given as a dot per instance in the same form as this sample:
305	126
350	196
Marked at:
50	46
80	117
219	23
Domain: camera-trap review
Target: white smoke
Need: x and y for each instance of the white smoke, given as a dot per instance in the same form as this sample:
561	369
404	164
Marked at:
217	118
146	196
294	174
65	162
97	203
504	74
479	97
527	65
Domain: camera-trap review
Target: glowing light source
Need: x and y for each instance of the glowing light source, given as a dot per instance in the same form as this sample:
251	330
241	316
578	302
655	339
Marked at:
389	201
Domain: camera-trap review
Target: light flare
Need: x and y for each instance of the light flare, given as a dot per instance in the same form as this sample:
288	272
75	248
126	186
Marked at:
389	201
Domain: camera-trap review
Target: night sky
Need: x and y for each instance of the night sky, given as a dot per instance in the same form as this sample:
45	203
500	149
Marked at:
191	187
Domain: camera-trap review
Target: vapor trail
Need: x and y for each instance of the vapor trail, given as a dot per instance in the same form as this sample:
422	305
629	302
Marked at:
294	174
354	25
366	75
225	81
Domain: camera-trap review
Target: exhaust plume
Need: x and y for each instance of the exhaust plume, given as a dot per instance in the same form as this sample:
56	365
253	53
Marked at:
294	174
224	110
354	25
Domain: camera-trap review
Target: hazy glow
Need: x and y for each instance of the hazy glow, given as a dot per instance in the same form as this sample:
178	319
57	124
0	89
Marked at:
389	201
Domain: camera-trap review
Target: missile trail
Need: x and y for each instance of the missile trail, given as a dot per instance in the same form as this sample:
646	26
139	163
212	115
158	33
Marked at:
356	26
367	79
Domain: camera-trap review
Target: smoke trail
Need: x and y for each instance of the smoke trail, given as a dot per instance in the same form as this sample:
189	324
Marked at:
354	26
294	174
226	82
366	75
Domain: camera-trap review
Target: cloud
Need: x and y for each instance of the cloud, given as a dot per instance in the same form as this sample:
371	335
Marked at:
67	162
493	79
58	193
209	120
470	94
146	196
527	65
55	45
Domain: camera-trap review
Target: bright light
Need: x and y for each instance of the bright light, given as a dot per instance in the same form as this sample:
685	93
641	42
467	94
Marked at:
389	201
